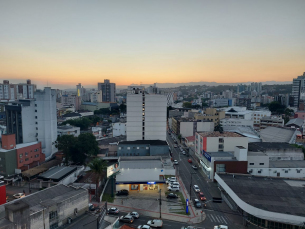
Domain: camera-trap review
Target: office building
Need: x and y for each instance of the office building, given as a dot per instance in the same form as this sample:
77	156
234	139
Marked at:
108	90
146	116
10	91
298	89
34	120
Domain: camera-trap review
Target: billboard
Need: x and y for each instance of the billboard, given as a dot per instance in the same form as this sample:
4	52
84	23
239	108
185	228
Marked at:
114	168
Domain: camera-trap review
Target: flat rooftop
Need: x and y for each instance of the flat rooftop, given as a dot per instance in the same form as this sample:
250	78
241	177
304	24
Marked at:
57	173
220	154
271	194
143	164
287	164
218	134
263	146
144	142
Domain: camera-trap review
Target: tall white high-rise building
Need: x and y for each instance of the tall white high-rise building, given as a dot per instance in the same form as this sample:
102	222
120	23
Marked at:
35	120
146	115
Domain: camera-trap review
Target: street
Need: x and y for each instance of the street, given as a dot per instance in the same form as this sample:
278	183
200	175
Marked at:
216	213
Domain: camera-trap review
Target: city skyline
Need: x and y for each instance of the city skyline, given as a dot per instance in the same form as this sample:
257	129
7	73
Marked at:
63	44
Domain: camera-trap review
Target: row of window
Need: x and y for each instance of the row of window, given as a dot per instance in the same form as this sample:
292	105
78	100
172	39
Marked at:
142	147
259	163
26	153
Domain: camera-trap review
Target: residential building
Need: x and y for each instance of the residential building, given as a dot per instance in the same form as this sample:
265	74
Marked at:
68	130
298	89
108	90
17	91
146	116
49	208
219	102
189	141
271	121
18	156
96	97
118	129
143	148
242	192
143	173
34	120
97	132
211	114
243	102
236	122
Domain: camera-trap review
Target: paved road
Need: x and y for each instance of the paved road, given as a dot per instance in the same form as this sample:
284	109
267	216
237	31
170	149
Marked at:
167	224
215	216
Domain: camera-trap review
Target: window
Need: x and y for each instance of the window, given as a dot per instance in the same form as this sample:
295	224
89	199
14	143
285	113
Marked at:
26	159
251	163
36	128
147	147
35	105
20	161
261	163
37	155
36	122
286	171
259	171
35	117
52	215
26	154
119	148
128	148
298	171
220	140
35	110
20	156
138	147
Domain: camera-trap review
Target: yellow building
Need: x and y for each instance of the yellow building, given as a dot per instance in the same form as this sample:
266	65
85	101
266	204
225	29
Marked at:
211	114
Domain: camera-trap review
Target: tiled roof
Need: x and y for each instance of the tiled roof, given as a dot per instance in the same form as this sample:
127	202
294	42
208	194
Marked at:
218	134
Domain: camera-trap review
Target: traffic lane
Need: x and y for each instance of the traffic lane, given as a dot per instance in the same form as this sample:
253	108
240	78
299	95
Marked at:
142	220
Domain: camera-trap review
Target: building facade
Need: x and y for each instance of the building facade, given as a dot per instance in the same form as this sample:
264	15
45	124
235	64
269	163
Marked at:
298	89
146	116
17	91
108	90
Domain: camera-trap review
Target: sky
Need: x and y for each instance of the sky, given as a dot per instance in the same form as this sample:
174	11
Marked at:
62	43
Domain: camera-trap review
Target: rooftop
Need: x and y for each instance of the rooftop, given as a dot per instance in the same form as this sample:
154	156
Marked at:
144	142
246	131
218	134
295	121
19	146
270	194
276	134
143	164
263	146
287	164
57	173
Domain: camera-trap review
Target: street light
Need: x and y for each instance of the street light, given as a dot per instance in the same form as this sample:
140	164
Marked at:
191	186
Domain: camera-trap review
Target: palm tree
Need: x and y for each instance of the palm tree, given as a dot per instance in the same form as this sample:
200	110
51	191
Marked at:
98	167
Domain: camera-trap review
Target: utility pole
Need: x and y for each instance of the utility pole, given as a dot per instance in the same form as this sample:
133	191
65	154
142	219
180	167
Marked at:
160	203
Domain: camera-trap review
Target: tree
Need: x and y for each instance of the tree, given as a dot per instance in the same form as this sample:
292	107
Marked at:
187	105
179	137
77	156
65	144
87	144
218	127
276	107
83	123
122	108
98	167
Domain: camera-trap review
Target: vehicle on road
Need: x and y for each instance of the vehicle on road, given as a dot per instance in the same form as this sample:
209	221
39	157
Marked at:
122	192
19	195
173	188
91	207
221	227
189	160
194	167
197	203
196	188
189	227
175	162
172	196
155	223
183	152
126	219
134	215
113	211
175	146
216	195
144	227
201	196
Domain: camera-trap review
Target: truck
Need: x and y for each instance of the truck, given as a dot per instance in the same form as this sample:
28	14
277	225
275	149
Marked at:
216	194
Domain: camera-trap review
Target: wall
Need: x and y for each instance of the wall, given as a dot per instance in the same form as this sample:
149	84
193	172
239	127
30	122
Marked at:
139	174
29	154
133	150
230	143
2	194
72	177
205	126
186	129
258	161
231	167
28	123
156	150
118	129
8	162
278	172
285	154
8	141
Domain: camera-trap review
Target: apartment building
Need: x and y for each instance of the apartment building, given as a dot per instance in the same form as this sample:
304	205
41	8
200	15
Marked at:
108	91
211	114
9	91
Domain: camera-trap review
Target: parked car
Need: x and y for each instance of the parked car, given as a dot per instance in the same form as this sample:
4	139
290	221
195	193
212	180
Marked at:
194	167
144	227
196	188
189	160
201	196
19	195
183	152
122	192
173	188
134	215
221	227
155	223
175	183
175	146
91	207
172	196
126	219
197	203
113	211
175	162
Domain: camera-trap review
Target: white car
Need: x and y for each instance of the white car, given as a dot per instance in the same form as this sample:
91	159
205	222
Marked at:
19	195
196	188
134	215
183	152
175	162
155	223
173	188
221	227
144	227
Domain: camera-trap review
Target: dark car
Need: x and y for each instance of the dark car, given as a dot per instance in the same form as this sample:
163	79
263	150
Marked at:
122	192
126	219
197	203
201	196
113	211
172	196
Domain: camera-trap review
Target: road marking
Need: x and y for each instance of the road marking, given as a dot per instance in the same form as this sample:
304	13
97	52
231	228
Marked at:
224	219
213	218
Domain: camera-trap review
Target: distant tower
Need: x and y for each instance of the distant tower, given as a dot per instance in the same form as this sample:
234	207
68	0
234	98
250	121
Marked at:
108	90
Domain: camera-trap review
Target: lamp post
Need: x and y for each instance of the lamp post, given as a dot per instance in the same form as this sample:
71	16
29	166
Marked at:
191	186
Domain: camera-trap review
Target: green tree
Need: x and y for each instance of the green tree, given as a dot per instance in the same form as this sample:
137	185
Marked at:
179	137
276	107
122	108
87	144
65	144
98	167
187	105
218	127
77	156
83	123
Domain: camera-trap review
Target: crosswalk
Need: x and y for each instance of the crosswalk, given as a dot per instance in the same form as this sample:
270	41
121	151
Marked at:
217	218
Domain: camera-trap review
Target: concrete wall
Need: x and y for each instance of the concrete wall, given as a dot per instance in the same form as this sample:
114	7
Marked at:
205	126
228	144
285	154
142	150
277	172
139	174
8	162
118	129
258	161
186	129
29	123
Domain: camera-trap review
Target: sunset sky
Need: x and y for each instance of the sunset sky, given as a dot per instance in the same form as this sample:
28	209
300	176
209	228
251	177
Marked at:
63	43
